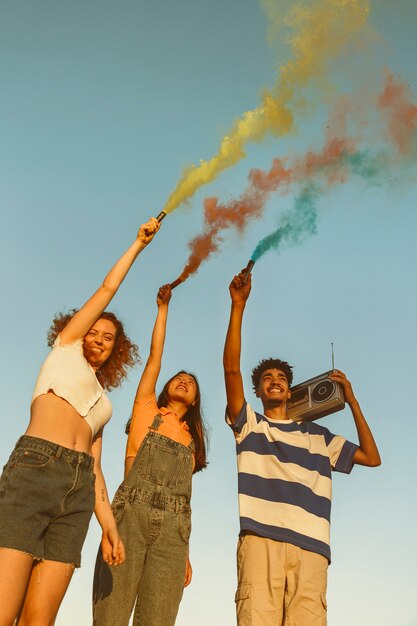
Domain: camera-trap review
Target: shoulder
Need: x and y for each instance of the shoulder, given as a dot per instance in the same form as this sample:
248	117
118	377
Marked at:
246	421
74	344
313	428
147	402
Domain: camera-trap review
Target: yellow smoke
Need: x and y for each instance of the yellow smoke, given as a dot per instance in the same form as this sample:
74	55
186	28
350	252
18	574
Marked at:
322	29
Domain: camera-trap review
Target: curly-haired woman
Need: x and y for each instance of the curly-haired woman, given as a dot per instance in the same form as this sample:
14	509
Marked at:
166	445
53	479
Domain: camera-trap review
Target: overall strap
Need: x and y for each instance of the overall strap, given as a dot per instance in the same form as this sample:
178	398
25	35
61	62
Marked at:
157	421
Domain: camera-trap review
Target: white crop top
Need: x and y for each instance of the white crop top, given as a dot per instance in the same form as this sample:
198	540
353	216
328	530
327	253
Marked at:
68	374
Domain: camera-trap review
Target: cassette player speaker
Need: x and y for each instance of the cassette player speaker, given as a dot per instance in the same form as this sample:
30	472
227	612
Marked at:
315	398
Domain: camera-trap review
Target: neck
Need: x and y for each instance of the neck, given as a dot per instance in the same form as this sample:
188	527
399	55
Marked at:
179	408
276	412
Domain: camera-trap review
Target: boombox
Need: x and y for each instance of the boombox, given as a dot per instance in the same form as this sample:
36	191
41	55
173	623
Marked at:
315	398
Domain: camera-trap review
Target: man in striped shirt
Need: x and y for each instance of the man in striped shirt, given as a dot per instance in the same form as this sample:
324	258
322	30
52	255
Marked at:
284	481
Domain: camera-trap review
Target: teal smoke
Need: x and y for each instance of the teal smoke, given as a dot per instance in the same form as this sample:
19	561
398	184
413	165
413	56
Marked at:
295	225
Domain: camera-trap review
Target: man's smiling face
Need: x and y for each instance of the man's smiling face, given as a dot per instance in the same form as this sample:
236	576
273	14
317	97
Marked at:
273	389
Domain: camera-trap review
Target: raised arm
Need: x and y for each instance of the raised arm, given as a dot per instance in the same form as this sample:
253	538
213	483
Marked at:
89	313
239	293
367	453
150	374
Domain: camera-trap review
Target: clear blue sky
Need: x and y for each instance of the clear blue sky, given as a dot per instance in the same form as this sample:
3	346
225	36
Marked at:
102	105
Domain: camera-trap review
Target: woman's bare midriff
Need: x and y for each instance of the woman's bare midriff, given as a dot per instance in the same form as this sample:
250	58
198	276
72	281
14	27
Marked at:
54	419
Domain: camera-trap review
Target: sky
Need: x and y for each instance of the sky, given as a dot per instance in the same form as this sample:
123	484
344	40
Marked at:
102	107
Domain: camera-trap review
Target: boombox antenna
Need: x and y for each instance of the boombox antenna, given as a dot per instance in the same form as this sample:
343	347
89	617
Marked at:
332	356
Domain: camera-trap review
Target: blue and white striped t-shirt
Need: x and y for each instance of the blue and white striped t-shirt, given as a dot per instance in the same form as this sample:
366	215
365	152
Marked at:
284	478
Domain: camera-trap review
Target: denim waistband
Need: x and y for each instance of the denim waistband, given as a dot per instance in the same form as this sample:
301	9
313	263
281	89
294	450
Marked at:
176	504
56	451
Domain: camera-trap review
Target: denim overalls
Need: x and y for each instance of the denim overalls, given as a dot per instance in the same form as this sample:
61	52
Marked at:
153	515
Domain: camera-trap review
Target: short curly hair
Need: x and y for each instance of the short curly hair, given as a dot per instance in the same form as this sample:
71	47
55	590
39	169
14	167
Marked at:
267	364
125	353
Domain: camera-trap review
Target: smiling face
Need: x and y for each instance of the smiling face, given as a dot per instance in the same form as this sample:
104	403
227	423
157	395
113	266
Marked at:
99	342
183	388
273	389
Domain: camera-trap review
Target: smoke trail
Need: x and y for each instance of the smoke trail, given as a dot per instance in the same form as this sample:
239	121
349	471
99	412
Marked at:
236	214
298	224
335	163
250	205
340	159
295	225
400	113
321	33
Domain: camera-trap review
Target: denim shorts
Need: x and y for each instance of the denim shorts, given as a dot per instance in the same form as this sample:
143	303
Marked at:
46	500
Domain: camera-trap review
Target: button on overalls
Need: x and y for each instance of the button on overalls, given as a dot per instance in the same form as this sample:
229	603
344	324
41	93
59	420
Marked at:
153	516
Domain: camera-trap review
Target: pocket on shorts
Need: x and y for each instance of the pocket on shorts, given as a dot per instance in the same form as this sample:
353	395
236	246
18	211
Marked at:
10	462
30	459
3	478
243	604
243	592
7	469
184	522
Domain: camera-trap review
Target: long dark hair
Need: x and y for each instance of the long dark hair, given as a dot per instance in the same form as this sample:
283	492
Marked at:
194	420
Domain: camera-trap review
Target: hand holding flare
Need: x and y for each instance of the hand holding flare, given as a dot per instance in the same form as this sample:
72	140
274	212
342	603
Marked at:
248	270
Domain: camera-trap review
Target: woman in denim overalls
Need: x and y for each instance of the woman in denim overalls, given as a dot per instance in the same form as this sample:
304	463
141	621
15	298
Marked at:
166	445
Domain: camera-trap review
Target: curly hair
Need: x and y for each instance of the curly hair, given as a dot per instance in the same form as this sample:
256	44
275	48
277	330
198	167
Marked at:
124	355
267	364
194	420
